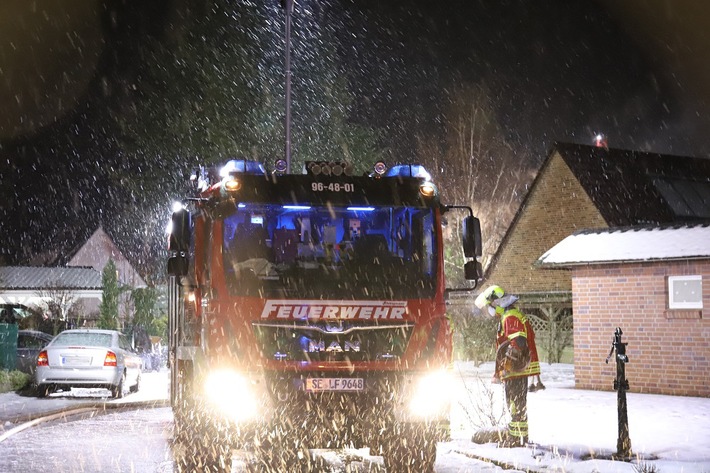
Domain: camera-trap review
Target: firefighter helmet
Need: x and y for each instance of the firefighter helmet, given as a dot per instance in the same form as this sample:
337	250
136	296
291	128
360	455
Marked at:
490	294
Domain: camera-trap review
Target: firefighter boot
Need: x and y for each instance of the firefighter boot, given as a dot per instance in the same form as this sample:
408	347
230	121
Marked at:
509	441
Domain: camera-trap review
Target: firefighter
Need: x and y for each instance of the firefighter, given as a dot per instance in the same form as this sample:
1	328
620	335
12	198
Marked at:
515	342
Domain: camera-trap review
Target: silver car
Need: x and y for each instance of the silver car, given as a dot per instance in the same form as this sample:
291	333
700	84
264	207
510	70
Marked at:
89	358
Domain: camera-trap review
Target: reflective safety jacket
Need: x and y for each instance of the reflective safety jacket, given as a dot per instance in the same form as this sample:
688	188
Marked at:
514	323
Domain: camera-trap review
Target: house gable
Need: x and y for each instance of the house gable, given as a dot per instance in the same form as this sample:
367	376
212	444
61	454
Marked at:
97	251
588	187
556	206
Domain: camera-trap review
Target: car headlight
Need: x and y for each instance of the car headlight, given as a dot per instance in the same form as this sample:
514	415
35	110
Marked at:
232	394
431	396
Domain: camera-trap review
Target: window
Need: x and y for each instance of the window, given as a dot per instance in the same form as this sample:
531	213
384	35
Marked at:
333	251
686	197
685	292
83	339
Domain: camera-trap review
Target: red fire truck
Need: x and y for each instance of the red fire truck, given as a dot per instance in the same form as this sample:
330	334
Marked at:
308	311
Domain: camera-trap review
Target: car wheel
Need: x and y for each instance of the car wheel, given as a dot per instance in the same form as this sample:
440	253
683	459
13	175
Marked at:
117	391
137	386
42	390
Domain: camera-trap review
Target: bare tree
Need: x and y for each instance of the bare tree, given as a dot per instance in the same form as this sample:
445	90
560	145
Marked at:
59	307
476	163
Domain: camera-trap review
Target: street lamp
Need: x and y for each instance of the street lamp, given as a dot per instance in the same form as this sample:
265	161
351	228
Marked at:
288	6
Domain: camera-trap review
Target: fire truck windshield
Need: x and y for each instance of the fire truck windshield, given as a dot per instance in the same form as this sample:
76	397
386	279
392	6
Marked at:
330	252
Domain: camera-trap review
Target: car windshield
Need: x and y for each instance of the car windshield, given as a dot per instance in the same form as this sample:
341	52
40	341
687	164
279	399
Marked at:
83	339
332	252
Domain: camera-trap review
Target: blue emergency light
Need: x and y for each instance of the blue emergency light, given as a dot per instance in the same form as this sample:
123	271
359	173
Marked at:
242	166
408	170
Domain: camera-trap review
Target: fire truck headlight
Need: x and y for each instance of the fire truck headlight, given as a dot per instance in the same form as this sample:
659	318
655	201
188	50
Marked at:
431	396
232	394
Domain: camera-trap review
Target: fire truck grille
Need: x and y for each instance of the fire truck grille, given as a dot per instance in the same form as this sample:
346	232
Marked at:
328	342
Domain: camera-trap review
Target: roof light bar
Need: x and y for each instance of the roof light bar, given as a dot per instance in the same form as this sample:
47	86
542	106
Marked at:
327	168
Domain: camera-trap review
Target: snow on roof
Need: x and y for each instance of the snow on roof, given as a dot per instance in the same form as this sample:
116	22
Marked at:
27	277
629	244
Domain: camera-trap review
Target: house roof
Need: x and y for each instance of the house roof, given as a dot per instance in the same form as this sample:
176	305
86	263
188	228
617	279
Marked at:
94	251
633	187
32	278
62	249
630	244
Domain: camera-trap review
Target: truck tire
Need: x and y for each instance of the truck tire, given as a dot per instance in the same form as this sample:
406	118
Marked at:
284	452
412	453
197	447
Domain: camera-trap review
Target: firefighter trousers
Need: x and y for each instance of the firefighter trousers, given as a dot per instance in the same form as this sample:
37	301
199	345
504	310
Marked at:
516	396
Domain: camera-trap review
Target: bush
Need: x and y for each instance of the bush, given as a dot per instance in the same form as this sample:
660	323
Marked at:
13	380
643	467
474	335
484	405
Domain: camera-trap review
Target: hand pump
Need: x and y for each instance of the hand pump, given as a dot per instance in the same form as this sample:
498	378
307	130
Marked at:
621	385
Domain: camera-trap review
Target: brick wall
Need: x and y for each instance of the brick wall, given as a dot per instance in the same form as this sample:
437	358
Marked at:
668	350
556	207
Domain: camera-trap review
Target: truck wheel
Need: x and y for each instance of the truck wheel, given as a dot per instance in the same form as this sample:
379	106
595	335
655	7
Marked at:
410	454
197	448
188	461
282	454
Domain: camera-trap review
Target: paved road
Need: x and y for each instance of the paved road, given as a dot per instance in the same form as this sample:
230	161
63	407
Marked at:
16	408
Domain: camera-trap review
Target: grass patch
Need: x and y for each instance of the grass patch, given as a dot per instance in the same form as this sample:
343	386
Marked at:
11	381
567	355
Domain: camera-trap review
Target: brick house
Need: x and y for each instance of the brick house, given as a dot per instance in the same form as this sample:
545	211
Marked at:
581	187
588	187
652	282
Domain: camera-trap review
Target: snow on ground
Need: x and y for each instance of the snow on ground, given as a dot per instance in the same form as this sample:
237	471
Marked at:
668	433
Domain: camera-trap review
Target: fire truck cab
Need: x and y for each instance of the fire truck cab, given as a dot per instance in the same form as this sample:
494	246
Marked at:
308	311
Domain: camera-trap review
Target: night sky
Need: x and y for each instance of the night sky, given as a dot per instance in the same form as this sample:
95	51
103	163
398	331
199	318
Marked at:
558	70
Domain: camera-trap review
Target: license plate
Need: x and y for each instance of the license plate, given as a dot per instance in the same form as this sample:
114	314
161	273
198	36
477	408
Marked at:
76	360
334	384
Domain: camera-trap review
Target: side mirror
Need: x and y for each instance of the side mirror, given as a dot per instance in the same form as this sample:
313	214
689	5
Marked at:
473	270
472	241
179	242
178	265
